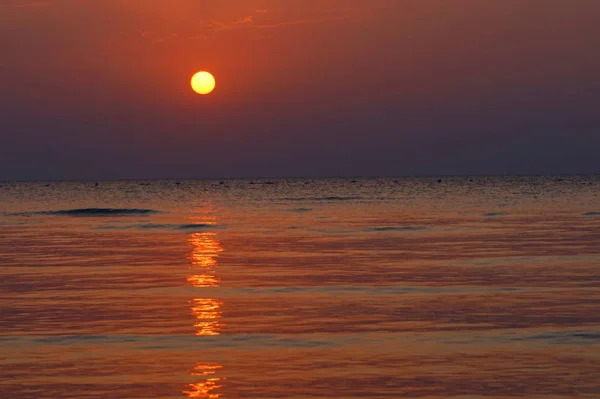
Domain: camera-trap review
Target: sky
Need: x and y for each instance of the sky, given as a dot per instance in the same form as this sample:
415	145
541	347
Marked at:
100	89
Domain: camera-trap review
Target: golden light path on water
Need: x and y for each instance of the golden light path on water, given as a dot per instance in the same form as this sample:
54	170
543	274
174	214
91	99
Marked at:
210	383
203	257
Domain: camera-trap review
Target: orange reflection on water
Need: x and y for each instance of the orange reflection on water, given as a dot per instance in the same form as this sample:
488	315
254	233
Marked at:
207	312
205	249
211	383
204	254
203	280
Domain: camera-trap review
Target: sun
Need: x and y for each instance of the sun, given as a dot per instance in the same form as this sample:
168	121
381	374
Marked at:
203	82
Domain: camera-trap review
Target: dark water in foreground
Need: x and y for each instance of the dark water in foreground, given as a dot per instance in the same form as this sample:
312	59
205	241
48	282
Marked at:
301	288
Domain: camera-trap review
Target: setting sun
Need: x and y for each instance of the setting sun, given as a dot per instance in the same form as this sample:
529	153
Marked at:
203	82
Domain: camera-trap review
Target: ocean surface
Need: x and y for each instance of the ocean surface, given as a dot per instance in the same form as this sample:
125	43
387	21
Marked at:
374	288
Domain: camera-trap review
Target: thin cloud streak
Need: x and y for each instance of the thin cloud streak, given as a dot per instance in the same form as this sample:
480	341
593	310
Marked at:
250	22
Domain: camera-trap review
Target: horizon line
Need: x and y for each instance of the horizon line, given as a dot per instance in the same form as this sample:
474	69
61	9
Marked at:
344	177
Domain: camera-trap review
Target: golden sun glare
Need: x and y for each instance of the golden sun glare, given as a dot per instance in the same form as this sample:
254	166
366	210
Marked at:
203	82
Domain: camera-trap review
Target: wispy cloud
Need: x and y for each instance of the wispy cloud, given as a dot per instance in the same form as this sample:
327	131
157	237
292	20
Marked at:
250	22
245	20
261	19
145	33
219	26
199	37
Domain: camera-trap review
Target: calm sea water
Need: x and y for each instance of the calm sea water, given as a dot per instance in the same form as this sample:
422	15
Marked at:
378	288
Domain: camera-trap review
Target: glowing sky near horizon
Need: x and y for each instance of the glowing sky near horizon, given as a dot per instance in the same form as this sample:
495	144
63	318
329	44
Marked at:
100	89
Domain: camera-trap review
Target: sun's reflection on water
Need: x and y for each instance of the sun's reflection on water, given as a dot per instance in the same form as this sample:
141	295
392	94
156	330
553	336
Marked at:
205	249
211	383
207	312
203	257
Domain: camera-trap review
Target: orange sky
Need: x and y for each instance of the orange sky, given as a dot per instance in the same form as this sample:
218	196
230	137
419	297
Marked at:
247	44
291	66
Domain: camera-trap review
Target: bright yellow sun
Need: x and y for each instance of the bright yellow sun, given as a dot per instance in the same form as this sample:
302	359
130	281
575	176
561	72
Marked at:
203	82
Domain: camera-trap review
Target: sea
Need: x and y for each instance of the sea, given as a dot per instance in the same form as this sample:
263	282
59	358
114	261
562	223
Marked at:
430	287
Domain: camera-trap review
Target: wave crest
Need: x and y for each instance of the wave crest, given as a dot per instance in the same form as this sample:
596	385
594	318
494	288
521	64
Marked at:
92	212
153	226
591	214
396	228
330	198
494	214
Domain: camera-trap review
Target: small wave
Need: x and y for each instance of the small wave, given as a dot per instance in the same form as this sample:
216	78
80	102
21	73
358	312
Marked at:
93	212
153	226
163	342
562	337
494	214
150	226
330	198
398	228
301	210
197	226
591	214
111	227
